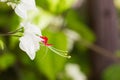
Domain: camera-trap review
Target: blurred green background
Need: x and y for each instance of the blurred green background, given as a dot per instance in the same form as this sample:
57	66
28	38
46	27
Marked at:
65	23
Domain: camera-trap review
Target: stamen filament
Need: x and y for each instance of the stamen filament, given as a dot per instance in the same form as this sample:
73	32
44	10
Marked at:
58	52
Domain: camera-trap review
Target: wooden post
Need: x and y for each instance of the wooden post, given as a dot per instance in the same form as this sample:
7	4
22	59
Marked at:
103	21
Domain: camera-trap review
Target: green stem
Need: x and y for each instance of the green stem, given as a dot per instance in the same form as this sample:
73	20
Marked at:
12	33
17	30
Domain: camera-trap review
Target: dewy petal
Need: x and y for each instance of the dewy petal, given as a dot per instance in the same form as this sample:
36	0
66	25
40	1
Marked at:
30	44
21	11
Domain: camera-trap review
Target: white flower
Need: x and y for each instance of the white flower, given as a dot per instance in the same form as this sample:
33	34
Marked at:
29	42
31	28
73	71
23	7
3	0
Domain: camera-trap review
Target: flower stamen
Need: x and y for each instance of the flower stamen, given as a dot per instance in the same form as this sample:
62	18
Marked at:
57	51
45	41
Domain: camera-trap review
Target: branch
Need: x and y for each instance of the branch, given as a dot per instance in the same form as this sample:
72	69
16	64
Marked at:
100	50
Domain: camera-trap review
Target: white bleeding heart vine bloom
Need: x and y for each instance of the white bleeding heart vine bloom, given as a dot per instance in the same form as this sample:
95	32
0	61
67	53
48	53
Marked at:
24	6
31	40
21	7
3	0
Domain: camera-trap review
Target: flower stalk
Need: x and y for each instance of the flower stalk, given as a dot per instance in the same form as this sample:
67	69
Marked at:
13	33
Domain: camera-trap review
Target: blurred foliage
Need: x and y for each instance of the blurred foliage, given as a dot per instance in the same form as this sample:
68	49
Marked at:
55	6
117	54
6	60
112	72
74	23
1	45
53	17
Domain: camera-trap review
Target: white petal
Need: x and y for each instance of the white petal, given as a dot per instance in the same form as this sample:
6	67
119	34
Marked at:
23	7
21	11
73	71
29	5
30	44
3	0
31	28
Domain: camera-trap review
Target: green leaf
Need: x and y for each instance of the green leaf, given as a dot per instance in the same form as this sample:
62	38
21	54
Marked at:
1	45
117	53
112	72
6	60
